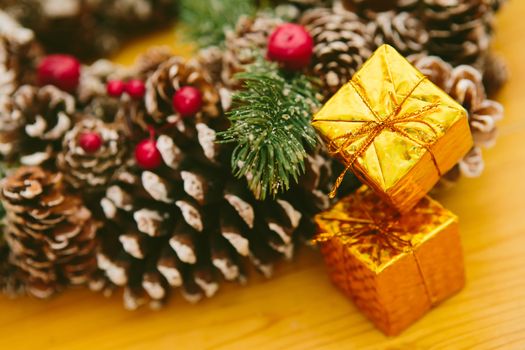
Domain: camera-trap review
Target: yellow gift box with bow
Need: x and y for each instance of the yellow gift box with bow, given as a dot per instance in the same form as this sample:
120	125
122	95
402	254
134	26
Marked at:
395	267
394	129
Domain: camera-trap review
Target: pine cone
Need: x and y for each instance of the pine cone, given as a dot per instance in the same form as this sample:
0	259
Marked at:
18	55
50	233
342	44
33	122
190	223
168	78
434	68
307	4
89	28
495	74
243	44
148	62
94	78
464	84
459	30
11	278
369	9
403	30
466	87
91	170
496	5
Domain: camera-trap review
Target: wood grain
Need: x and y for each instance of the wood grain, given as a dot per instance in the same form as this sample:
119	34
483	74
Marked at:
299	308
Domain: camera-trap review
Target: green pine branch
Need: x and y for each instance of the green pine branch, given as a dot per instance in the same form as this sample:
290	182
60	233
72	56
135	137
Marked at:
207	21
270	125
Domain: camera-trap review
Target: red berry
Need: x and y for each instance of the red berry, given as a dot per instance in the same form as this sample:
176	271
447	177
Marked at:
115	88
90	141
63	71
291	45
187	101
136	89
147	154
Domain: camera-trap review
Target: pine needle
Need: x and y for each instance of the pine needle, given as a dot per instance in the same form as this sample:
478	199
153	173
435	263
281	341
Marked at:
270	125
208	20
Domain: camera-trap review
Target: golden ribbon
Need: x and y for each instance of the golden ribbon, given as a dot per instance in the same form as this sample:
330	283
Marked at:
387	234
371	129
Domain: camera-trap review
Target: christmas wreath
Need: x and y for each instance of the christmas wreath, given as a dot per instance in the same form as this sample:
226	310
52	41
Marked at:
177	174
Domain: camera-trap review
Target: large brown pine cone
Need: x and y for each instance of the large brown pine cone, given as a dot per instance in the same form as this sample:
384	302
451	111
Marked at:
32	123
459	30
171	76
191	224
402	30
464	84
50	234
243	44
92	170
19	54
342	44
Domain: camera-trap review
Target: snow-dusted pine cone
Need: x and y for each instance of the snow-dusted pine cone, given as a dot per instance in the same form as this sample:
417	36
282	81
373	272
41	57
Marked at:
92	169
464	83
191	224
32	123
243	44
19	53
402	30
342	44
459	30
171	76
50	233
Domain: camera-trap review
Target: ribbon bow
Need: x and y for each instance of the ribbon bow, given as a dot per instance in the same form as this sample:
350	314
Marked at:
386	234
371	129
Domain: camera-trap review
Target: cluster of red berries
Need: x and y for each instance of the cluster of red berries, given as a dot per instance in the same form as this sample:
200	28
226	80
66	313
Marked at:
289	44
187	102
135	88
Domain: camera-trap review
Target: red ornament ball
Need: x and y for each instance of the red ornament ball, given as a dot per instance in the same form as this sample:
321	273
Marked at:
63	71
136	89
187	101
90	141
291	45
147	154
115	88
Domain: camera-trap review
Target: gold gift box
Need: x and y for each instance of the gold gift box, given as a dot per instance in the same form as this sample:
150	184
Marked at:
394	267
394	129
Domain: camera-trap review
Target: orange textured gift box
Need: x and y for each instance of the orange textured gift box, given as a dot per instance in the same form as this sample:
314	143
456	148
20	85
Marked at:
394	267
394	129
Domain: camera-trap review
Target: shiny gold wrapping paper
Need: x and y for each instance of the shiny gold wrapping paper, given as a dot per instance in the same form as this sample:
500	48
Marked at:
394	129
394	267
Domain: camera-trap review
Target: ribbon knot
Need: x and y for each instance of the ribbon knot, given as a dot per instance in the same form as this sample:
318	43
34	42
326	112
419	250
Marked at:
369	130
385	234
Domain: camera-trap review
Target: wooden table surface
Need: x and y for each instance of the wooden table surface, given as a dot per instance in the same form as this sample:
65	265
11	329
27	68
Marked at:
299	308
